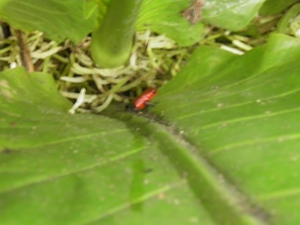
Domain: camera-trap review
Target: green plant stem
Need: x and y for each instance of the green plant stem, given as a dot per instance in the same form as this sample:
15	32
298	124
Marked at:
112	40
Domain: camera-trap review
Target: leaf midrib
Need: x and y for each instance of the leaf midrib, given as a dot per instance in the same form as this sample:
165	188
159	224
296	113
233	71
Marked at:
203	177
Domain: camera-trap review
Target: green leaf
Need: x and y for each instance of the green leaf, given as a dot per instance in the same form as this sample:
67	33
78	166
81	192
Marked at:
288	24
270	7
57	168
220	147
242	114
233	15
75	19
164	16
2	3
57	19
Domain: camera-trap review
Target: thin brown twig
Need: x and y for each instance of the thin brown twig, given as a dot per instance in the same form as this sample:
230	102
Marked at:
24	51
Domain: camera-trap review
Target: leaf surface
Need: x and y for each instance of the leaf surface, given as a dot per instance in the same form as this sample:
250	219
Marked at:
72	19
241	113
233	15
166	17
269	8
75	19
220	147
57	168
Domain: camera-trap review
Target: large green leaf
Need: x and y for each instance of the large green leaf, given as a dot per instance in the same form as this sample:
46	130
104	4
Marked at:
220	147
3	2
57	168
242	114
75	19
233	15
164	16
57	19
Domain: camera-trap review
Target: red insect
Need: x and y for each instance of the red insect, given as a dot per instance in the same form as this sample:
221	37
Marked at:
144	99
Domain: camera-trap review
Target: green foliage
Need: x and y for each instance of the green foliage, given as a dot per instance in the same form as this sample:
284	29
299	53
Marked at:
233	15
241	113
112	40
57	19
74	19
235	129
290	22
219	147
273	7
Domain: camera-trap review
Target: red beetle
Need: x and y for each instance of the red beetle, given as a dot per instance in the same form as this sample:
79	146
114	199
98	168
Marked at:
144	99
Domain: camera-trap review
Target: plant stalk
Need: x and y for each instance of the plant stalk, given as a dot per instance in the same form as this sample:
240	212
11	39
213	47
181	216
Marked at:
112	40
